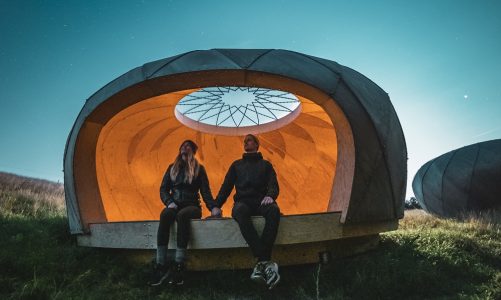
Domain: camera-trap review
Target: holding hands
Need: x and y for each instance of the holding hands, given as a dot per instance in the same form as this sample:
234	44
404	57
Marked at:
216	212
172	205
267	200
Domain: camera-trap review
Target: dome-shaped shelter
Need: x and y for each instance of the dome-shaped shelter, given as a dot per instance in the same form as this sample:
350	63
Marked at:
332	135
461	181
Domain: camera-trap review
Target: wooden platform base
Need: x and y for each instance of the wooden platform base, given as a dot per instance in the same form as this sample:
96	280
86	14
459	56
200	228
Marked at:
218	243
284	255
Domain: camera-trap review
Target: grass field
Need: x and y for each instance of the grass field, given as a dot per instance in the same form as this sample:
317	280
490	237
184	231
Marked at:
427	258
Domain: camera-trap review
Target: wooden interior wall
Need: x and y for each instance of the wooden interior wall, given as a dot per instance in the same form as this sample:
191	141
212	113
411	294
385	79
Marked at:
135	147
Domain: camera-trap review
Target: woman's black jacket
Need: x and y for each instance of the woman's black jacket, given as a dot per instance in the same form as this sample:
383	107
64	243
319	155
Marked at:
185	194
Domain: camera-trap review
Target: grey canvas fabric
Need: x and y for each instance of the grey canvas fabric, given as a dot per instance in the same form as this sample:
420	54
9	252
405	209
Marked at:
460	181
380	174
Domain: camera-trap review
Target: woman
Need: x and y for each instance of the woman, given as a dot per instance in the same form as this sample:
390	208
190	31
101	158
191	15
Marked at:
179	192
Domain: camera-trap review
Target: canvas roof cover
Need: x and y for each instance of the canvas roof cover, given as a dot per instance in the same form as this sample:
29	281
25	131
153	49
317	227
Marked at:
463	180
345	151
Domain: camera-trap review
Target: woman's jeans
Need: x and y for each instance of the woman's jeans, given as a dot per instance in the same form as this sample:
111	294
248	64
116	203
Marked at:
183	217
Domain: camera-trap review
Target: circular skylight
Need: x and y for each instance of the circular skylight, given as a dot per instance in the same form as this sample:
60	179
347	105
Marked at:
234	110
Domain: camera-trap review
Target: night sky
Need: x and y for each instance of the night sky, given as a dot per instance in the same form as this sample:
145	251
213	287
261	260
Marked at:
440	61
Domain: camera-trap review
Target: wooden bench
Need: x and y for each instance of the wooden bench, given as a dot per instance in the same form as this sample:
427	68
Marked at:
218	244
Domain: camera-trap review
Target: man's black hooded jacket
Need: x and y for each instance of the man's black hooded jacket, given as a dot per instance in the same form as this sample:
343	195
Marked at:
253	178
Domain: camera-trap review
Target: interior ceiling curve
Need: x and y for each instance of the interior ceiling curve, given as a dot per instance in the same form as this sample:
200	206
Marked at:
136	146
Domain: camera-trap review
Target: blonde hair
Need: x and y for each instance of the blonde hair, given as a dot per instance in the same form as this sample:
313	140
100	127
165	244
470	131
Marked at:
191	168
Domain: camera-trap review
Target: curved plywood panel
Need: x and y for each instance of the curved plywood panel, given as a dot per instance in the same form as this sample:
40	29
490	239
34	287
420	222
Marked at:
463	180
136	146
344	152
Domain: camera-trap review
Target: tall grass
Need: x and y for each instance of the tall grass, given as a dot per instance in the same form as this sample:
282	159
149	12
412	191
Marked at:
463	257
30	197
427	258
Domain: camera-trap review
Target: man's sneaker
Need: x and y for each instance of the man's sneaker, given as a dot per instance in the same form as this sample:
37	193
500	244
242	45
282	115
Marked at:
160	275
271	274
258	272
178	274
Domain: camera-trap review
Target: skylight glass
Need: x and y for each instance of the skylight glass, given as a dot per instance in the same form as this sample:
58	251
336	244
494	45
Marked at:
237	107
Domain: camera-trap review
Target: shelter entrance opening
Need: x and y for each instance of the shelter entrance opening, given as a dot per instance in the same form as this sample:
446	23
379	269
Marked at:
135	147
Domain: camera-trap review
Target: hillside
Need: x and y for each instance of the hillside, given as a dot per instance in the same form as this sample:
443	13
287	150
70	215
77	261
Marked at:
427	258
30	196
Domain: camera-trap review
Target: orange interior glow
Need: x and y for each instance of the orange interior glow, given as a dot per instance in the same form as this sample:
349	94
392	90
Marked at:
135	147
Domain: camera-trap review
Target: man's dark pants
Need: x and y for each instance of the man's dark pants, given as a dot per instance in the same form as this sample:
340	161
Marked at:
260	246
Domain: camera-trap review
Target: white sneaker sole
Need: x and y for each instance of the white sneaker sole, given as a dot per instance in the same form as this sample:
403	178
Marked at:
258	279
274	282
161	281
177	283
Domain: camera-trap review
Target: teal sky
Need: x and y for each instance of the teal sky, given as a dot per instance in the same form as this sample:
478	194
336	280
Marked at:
440	61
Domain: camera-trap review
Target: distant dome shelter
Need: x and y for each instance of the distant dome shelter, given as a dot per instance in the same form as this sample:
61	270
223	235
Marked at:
332	135
461	181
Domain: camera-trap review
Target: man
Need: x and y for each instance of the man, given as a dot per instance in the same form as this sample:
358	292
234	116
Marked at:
257	189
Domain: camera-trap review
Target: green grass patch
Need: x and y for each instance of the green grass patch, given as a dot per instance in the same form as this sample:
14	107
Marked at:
427	258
